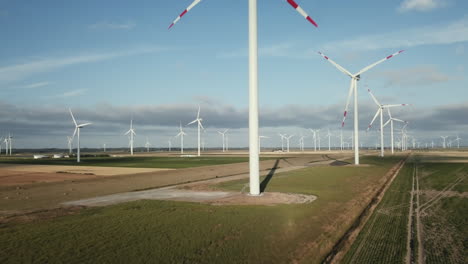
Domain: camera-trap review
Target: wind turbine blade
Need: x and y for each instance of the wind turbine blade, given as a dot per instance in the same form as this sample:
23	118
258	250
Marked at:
225	131
302	12
196	120
85	124
395	105
388	121
373	97
199	122
198	113
389	113
126	133
74	132
343	70
74	121
399	120
194	3
350	92
373	119
380	61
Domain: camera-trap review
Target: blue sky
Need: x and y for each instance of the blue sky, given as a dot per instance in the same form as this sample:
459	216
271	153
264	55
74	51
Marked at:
99	55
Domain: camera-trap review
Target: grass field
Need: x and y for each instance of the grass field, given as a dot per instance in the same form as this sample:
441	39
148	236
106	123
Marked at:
383	238
133	162
444	212
180	232
442	209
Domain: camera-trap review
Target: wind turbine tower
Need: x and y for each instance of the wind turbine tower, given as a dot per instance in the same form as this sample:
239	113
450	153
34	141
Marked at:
77	132
223	138
253	87
181	135
199	125
132	134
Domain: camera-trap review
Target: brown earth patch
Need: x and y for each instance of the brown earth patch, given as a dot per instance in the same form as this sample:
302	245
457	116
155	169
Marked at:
268	198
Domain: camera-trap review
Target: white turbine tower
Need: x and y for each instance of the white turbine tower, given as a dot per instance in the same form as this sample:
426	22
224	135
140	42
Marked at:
169	145
314	135
147	144
254	165
70	142
353	89
132	134
391	126
282	141
223	137
104	147
6	145
444	138
10	142
458	141
199	125
181	135
287	141
301	142
318	139
380	110
329	139
77	132
1	139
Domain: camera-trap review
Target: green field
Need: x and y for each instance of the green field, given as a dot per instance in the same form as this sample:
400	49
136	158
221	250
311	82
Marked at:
181	232
133	162
383	238
444	215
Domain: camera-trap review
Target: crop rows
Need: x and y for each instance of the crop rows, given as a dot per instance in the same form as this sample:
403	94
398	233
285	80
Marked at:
383	238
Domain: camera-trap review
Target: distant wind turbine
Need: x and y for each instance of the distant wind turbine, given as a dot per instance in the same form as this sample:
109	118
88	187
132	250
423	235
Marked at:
199	125
282	141
147	144
132	134
380	110
444	138
353	89
181	135
223	138
287	141
70	143
77	132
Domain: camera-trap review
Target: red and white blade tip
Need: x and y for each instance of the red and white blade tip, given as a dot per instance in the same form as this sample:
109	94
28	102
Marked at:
388	57
323	55
302	12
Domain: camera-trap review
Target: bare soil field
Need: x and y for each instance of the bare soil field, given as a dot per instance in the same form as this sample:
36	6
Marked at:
24	197
14	175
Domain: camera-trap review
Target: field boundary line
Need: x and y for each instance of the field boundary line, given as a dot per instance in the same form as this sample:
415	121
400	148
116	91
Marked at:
410	221
344	243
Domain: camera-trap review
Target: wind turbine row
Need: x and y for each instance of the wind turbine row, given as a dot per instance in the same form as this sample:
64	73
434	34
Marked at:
353	90
380	109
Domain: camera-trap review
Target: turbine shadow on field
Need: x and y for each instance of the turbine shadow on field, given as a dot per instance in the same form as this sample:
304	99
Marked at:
265	182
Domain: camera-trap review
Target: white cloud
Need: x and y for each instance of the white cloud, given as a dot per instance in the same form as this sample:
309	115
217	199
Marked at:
420	5
442	34
20	71
108	25
68	94
35	85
